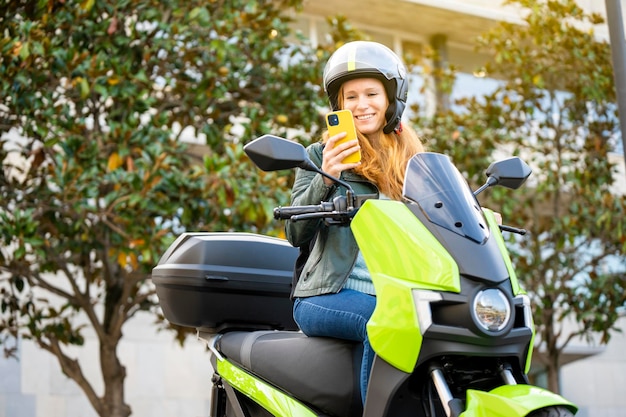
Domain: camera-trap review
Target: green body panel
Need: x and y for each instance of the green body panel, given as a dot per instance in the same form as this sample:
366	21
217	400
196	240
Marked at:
493	225
517	289
384	229
273	400
511	401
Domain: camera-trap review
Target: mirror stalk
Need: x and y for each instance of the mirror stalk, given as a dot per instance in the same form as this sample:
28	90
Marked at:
310	166
490	181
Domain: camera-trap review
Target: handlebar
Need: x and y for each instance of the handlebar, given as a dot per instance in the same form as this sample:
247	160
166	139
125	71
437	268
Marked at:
337	211
333	212
512	229
286	213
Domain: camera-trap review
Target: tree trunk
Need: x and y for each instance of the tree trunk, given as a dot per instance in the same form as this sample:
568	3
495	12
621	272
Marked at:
552	356
114	374
552	371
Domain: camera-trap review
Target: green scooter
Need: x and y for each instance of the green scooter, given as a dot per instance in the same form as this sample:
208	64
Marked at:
452	329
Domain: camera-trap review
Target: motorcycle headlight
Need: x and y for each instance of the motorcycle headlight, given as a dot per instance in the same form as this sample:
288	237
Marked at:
492	309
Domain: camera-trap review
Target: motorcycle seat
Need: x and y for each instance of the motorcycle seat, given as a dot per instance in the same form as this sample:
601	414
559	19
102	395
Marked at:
322	372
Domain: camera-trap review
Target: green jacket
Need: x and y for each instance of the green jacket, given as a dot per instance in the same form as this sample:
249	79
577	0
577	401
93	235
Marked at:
335	250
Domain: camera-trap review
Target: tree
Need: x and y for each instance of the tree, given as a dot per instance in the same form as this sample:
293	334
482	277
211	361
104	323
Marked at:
555	107
95	183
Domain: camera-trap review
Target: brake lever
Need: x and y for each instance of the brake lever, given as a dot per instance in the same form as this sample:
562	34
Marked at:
332	218
342	218
308	216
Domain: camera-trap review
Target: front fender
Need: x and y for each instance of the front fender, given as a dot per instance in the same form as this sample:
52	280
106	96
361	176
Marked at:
511	401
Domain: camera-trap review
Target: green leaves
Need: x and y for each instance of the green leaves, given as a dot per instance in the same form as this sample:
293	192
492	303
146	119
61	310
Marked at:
96	182
238	198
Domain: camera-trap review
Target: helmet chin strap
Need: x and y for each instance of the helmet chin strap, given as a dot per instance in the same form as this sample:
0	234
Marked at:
393	127
394	115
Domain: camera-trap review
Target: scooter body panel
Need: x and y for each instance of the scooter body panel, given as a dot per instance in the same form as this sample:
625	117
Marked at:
515	285
383	229
493	225
512	401
275	401
315	370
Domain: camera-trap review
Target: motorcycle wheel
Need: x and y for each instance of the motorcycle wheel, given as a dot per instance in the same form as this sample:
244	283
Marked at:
557	411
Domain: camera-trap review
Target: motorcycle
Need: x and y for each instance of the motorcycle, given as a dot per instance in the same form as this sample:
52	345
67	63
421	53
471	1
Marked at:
452	328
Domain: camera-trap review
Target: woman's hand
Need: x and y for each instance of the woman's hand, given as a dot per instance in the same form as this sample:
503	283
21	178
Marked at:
333	155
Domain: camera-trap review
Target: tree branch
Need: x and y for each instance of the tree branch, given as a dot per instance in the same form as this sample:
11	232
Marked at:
40	281
71	368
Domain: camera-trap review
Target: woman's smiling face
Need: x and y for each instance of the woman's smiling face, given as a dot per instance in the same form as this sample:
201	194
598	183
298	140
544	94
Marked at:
367	100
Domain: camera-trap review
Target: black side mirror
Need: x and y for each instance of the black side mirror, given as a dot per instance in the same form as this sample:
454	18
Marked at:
510	173
272	153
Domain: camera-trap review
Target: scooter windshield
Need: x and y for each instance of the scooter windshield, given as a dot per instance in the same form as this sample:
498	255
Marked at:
443	195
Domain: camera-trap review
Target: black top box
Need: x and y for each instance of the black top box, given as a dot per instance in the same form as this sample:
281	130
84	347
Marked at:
221	281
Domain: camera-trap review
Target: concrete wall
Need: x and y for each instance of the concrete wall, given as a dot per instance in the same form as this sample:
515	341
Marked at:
598	384
163	379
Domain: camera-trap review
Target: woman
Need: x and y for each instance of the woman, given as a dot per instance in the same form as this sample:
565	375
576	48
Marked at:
334	296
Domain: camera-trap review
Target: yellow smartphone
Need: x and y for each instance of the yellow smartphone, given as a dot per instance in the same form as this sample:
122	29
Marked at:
342	121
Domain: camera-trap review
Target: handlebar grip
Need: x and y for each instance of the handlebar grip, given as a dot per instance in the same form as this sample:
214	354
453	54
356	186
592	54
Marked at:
283	213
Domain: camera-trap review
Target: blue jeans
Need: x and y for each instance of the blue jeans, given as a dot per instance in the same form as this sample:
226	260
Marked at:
342	315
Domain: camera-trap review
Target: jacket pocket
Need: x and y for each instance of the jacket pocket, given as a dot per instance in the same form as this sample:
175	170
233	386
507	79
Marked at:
315	258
